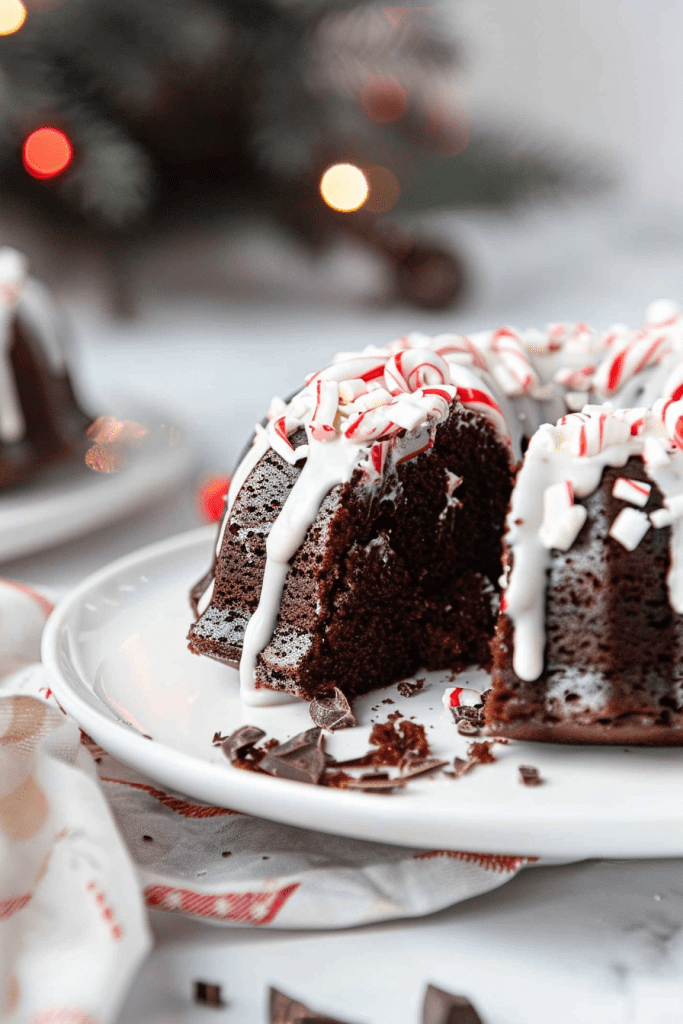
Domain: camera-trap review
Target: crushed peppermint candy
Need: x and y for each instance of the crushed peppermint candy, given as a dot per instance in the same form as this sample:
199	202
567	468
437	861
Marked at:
629	528
636	492
461	696
661	517
562	519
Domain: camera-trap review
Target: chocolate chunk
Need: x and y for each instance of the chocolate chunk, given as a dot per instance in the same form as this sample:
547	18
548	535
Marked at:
530	776
380	782
461	766
300	759
284	1010
355	762
441	1007
333	712
408	689
207	994
429	764
467	728
240	740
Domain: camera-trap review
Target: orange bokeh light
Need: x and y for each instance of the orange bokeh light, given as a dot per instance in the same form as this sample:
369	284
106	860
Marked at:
47	152
344	187
12	16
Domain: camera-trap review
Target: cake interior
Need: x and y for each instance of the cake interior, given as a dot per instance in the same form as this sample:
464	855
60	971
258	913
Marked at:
391	577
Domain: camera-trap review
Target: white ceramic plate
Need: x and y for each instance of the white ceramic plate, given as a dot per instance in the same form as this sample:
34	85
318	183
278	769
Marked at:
115	649
68	499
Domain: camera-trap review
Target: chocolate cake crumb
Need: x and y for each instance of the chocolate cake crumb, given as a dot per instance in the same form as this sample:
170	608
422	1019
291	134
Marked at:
219	738
207	994
530	776
240	742
332	712
441	1007
336	780
300	759
395	715
408	689
395	742
480	753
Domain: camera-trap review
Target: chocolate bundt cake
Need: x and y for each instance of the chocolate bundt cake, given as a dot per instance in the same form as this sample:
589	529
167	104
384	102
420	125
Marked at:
589	644
40	419
362	533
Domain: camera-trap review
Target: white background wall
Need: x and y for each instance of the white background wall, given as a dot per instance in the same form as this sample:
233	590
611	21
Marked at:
608	73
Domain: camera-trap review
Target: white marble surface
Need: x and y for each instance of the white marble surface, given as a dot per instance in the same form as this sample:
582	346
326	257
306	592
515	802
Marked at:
594	942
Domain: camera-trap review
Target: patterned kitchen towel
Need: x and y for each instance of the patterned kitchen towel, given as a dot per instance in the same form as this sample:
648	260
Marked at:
72	924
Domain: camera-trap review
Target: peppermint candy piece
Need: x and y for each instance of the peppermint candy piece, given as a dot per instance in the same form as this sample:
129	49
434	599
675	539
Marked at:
634	491
562	519
461	697
629	528
414	368
326	404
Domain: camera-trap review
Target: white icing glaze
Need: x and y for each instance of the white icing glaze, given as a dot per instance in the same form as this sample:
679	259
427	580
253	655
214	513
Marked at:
328	464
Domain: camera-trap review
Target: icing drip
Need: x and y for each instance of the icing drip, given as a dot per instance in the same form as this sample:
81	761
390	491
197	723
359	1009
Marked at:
328	464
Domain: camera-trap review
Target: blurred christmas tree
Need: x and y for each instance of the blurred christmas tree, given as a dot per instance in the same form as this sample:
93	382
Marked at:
167	110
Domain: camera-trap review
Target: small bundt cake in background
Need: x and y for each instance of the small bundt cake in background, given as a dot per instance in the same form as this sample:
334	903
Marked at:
41	421
589	645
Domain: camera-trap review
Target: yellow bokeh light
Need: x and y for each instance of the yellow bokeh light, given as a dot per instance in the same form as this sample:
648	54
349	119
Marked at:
12	16
344	187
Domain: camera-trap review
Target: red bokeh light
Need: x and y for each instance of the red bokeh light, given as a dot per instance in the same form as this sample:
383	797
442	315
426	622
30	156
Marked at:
211	498
47	152
384	99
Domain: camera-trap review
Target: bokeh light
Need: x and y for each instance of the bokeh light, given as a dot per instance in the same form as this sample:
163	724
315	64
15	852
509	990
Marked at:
12	16
384	99
108	430
211	497
344	187
385	190
47	152
106	458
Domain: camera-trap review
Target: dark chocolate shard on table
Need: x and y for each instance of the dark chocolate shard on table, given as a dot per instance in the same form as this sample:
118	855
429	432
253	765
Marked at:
284	1010
207	994
530	775
441	1007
